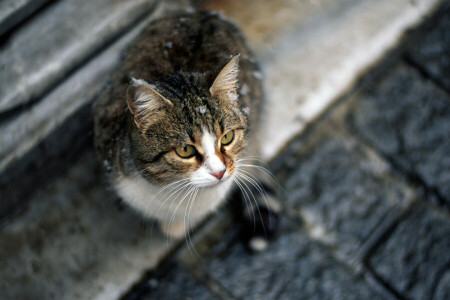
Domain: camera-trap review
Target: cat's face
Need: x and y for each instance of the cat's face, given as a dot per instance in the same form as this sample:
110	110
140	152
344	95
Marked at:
193	133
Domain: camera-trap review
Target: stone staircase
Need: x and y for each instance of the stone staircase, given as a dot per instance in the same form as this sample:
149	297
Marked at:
64	234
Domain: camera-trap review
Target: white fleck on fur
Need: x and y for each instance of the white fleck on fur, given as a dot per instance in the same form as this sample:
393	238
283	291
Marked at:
232	96
257	75
201	109
244	89
234	109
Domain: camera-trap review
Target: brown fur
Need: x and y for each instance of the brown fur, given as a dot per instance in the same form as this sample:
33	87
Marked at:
180	56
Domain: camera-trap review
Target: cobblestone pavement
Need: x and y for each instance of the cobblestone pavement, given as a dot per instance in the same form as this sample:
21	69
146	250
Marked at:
367	210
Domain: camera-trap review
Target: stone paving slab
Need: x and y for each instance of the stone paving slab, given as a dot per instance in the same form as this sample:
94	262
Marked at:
73	242
341	189
14	11
407	118
176	283
415	259
292	267
62	37
432	53
313	51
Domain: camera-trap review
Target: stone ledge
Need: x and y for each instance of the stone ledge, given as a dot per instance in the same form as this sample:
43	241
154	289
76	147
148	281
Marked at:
61	37
316	51
72	242
31	147
14	11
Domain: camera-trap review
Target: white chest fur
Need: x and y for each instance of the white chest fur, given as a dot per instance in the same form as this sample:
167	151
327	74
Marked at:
171	203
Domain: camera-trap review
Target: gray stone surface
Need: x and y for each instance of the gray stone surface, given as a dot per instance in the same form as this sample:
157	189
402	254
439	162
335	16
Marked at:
442	291
35	143
313	51
292	267
22	132
14	11
341	190
407	118
45	50
432	52
176	283
415	259
73	242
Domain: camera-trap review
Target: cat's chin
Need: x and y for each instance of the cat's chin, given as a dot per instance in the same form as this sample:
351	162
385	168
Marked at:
210	184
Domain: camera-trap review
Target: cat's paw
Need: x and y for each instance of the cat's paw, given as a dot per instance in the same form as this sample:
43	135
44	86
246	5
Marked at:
174	230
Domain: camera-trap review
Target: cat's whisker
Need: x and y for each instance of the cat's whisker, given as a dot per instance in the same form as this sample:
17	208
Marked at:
189	239
172	185
247	201
175	194
254	182
252	158
264	170
254	200
252	179
244	193
172	218
174	191
175	187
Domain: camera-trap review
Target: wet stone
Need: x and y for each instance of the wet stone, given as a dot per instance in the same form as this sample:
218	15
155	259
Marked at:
341	190
14	11
432	52
177	283
292	267
407	118
419	267
75	242
443	288
43	51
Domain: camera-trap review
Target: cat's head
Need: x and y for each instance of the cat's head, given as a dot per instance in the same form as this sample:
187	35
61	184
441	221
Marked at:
184	127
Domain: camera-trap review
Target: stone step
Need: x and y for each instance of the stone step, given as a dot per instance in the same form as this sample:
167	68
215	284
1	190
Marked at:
43	51
13	12
313	51
33	135
74	242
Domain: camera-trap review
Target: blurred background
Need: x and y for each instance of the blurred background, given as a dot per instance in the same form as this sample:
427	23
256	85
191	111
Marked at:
357	132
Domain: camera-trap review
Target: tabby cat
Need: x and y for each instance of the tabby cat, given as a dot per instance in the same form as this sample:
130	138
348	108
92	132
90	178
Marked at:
178	124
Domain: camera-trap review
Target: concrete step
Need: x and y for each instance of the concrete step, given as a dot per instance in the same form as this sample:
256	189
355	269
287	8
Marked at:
313	51
34	135
74	242
13	12
43	51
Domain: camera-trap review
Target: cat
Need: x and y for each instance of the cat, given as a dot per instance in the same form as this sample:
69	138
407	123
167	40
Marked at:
178	124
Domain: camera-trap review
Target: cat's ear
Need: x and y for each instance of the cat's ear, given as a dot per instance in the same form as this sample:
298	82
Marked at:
145	103
225	83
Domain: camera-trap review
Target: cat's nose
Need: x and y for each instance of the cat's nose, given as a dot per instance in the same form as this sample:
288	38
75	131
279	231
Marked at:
219	174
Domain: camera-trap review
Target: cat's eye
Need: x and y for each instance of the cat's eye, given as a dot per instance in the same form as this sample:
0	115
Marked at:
227	138
185	151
